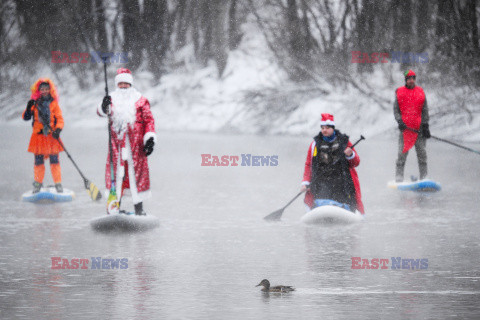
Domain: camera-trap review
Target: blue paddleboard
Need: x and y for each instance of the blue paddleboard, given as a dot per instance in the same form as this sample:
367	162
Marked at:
48	195
426	185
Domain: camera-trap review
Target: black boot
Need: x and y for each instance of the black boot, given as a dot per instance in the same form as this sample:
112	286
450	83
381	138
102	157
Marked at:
139	209
36	187
58	187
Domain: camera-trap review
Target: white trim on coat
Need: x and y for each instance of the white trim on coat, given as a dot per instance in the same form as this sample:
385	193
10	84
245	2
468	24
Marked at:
149	135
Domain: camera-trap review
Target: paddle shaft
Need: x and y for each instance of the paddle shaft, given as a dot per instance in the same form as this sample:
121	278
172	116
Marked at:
74	163
446	141
290	202
85	180
353	145
110	148
112	173
105	73
358	141
276	215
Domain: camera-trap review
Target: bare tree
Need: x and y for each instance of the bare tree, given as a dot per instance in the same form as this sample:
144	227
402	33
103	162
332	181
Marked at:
133	36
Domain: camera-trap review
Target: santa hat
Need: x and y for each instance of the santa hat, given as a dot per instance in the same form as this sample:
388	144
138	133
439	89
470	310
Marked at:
123	75
409	73
327	120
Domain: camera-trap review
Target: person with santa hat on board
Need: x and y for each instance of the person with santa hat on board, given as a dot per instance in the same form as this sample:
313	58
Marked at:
133	137
411	113
330	169
47	123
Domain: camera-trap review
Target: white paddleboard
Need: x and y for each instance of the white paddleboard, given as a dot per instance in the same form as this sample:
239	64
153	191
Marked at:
49	195
425	185
331	215
124	222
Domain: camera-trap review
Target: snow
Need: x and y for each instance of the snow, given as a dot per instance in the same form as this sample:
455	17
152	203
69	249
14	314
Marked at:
191	98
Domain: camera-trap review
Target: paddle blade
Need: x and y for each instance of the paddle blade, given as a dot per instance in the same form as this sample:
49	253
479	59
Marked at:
113	206
275	216
93	191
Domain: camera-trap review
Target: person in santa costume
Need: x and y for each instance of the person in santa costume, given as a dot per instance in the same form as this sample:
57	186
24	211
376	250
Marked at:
411	113
47	123
133	138
330	169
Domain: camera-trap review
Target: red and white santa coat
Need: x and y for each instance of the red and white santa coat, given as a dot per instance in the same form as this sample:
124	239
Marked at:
353	161
127	148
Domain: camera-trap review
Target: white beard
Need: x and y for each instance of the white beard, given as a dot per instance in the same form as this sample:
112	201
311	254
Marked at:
124	110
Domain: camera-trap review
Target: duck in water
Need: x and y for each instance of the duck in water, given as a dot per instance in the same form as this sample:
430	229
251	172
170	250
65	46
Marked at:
266	287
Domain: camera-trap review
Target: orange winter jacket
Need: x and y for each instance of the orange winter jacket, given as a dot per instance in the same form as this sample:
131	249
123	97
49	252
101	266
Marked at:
40	143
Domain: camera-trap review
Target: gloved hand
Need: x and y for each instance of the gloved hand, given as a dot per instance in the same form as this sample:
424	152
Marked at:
425	131
30	104
148	148
402	126
56	133
107	101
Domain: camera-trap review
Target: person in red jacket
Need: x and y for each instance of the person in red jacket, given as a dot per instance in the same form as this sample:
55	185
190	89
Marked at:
411	113
330	169
133	138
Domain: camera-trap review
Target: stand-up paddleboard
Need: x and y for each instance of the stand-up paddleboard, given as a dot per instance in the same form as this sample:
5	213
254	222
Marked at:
425	185
49	195
330	214
124	222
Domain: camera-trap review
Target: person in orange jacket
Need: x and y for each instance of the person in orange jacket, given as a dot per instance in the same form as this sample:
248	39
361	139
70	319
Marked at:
47	123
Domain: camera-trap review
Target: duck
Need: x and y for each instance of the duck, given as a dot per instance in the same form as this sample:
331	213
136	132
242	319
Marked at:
266	287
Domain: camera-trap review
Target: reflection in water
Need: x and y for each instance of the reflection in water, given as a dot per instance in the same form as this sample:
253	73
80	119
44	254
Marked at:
48	234
46	238
266	296
208	255
417	201
46	285
329	249
144	278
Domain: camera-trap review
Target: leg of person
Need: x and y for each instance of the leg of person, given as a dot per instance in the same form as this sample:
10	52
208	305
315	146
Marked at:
421	149
138	206
320	190
338	192
139	209
401	159
125	179
38	173
56	172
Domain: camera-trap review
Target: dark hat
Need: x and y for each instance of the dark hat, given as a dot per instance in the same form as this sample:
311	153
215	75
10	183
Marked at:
44	84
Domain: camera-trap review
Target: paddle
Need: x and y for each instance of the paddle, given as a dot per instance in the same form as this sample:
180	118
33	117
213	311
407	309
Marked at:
446	141
353	145
358	141
92	189
276	215
113	205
